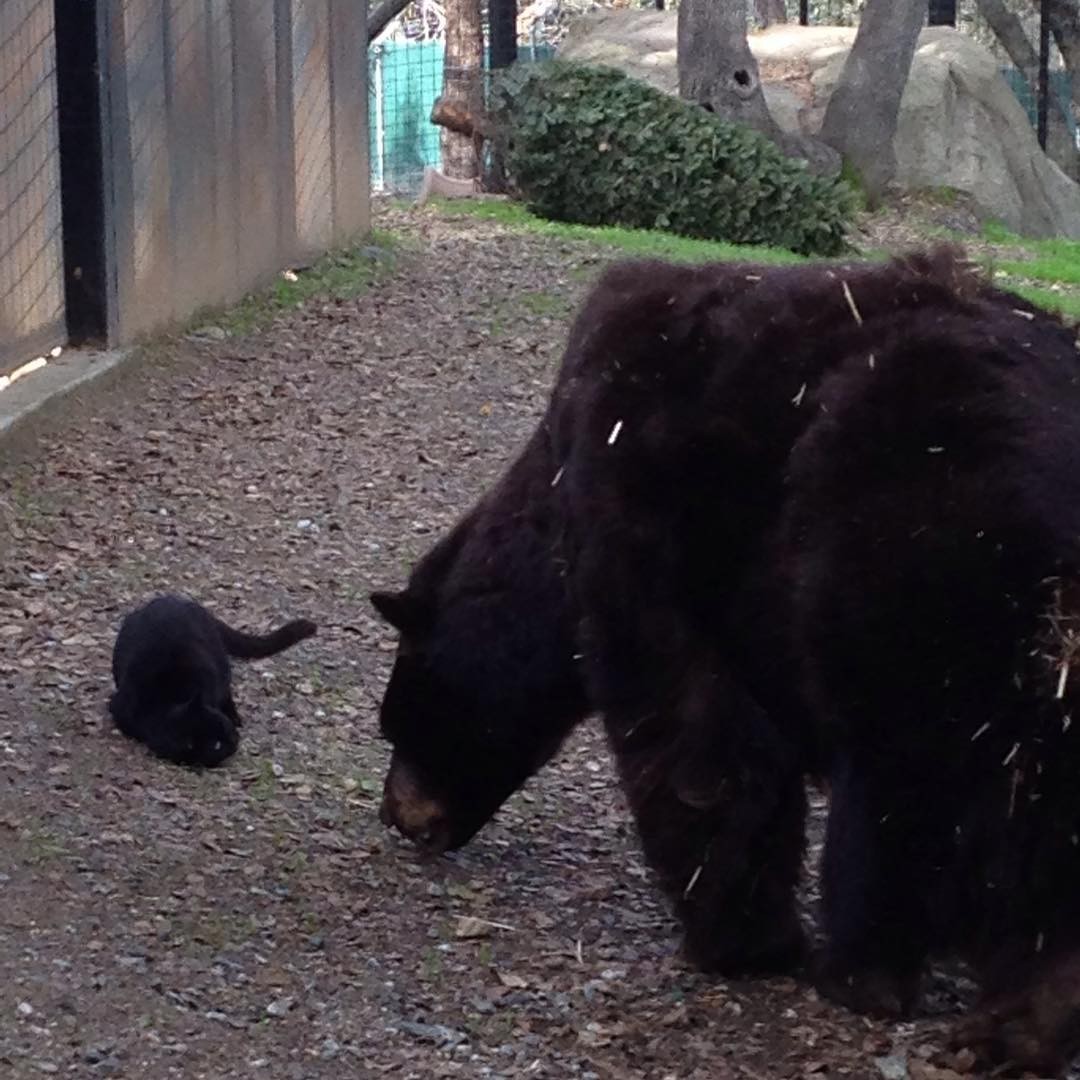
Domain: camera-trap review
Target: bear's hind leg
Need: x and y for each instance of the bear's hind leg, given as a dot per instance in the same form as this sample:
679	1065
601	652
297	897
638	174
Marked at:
1030	1026
885	854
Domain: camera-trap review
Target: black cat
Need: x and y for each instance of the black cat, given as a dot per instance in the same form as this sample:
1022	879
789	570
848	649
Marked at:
172	674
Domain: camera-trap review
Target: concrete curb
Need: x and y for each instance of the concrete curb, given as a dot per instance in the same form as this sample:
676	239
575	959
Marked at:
72	369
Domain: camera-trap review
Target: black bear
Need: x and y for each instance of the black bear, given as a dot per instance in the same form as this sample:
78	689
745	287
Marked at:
173	678
932	531
625	565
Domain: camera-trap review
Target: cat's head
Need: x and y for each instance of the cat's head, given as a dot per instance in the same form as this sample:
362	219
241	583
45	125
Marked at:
192	733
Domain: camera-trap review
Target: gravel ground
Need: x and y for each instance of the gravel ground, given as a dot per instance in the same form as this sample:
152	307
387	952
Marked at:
257	921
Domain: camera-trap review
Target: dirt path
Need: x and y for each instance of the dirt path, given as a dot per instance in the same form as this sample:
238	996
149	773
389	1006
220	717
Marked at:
257	921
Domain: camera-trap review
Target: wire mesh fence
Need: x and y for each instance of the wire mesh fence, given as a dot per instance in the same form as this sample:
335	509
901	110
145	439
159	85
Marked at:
405	79
31	248
229	140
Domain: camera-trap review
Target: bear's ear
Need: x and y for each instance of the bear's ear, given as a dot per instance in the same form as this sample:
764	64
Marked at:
403	610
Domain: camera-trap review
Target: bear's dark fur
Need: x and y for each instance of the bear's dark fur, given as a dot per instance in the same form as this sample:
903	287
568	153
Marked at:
933	526
173	678
673	424
485	684
683	431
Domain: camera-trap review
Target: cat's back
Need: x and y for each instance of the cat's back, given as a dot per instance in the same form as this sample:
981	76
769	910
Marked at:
161	633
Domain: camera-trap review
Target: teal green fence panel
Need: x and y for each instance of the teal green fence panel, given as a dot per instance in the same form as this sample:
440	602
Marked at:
1060	104
405	79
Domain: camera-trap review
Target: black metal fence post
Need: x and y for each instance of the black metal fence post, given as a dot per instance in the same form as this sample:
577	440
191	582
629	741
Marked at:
804	12
502	28
942	13
1044	69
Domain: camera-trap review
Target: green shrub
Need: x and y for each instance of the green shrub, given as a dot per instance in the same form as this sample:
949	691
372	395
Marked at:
593	146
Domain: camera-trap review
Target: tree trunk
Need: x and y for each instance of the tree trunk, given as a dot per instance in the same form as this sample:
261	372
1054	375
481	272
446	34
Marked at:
770	12
716	68
1065	26
860	119
1010	32
462	84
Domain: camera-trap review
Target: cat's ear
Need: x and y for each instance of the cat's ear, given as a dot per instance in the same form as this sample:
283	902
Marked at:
403	610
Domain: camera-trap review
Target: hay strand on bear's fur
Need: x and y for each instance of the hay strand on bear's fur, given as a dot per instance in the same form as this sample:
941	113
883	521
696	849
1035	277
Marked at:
614	433
558	476
1014	785
693	881
1061	646
797	399
851	302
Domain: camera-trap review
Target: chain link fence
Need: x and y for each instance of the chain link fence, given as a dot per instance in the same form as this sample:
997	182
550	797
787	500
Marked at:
31	247
230	141
405	78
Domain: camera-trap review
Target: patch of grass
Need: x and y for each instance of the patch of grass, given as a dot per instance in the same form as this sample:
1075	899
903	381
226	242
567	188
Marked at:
1068	304
1062	268
854	180
26	503
544	303
942	196
338	275
42	846
996	233
505	316
432	963
1052	262
295	862
632	241
265	783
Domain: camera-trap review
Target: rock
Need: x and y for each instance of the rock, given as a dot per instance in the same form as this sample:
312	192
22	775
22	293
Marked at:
208	333
439	1034
893	1067
280	1007
960	125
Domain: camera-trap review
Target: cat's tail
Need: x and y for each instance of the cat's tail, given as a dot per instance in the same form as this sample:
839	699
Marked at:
255	646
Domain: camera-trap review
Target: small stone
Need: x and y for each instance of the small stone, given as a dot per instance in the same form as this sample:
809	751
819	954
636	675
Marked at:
280	1007
433	1033
25	1008
893	1067
208	333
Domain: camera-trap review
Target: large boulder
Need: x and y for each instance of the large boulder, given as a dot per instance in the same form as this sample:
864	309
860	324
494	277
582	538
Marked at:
960	124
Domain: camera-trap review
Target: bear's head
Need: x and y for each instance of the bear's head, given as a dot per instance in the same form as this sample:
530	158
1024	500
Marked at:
485	685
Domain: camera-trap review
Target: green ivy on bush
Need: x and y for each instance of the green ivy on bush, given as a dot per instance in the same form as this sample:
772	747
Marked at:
594	146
